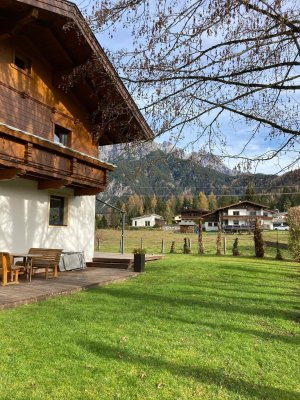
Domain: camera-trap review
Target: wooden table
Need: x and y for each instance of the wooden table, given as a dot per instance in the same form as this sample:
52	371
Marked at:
27	262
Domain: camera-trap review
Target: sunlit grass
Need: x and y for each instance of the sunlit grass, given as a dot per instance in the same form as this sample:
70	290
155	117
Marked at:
152	241
189	328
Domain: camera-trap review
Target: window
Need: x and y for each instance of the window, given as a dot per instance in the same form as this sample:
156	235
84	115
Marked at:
147	223
135	223
210	224
252	212
61	135
22	62
57	214
236	213
236	223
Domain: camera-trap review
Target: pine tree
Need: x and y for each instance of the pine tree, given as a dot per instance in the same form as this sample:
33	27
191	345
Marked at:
250	193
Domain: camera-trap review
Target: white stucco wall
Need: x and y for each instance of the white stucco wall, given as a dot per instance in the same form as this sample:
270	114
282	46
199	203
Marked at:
24	219
213	228
141	221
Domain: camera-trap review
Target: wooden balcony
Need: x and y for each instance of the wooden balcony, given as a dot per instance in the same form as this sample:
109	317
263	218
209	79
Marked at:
52	165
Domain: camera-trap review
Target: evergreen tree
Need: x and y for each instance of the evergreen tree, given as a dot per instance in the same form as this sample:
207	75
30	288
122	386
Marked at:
250	193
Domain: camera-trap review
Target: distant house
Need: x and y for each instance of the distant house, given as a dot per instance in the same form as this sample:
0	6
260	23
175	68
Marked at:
148	220
280	222
240	216
177	219
234	217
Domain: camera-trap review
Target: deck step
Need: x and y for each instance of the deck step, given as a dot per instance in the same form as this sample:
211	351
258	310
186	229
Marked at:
111	260
121	264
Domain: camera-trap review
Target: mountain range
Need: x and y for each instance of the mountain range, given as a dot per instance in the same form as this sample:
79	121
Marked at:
163	170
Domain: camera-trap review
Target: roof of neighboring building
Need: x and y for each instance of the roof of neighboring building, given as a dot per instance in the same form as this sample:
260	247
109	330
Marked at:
148	215
237	204
61	34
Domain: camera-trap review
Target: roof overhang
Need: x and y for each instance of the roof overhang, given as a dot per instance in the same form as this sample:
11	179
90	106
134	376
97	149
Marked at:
63	37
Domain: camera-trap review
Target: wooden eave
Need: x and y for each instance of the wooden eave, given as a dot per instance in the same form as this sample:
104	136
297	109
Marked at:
66	51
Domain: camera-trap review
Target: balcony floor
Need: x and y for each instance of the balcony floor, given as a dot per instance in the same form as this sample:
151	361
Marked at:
67	282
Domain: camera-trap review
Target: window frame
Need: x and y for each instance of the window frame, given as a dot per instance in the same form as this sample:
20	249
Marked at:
65	132
63	211
27	62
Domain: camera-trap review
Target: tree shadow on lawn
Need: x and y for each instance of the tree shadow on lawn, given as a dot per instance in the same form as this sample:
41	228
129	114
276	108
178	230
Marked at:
242	299
181	300
202	374
211	285
288	338
257	270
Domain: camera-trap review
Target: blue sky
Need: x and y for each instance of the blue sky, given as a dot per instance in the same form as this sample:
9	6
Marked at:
236	134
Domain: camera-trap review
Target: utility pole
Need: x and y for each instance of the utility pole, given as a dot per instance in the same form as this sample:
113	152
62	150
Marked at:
123	213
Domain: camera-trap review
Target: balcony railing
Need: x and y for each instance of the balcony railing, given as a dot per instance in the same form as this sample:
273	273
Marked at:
52	165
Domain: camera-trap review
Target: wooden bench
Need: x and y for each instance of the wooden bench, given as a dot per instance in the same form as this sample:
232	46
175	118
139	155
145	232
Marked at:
49	259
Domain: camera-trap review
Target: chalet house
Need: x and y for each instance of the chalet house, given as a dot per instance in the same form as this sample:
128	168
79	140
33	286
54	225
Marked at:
60	100
147	221
238	217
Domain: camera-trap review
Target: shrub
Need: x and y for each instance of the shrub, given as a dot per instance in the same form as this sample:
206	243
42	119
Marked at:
278	255
235	249
186	246
139	250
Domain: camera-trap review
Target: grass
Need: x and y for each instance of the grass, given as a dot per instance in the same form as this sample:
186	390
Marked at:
189	328
152	239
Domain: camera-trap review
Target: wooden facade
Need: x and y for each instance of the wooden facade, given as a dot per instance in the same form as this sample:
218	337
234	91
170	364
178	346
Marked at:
42	43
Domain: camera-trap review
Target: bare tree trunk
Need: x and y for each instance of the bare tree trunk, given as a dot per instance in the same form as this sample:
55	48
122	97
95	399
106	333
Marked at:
219	240
200	238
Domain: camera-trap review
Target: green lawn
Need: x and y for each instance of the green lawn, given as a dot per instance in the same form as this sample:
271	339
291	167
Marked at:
189	328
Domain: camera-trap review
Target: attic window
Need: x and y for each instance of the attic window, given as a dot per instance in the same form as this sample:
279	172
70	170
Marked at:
61	135
22	62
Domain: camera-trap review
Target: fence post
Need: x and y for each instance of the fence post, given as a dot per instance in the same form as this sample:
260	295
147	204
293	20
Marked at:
225	243
162	246
141	243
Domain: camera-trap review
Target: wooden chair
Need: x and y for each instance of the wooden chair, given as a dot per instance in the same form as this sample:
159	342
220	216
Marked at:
49	259
9	269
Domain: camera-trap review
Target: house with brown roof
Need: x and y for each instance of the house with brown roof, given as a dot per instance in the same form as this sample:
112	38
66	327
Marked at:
239	217
61	101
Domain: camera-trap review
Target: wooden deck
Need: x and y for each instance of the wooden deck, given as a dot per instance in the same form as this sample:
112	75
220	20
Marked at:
108	270
67	282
